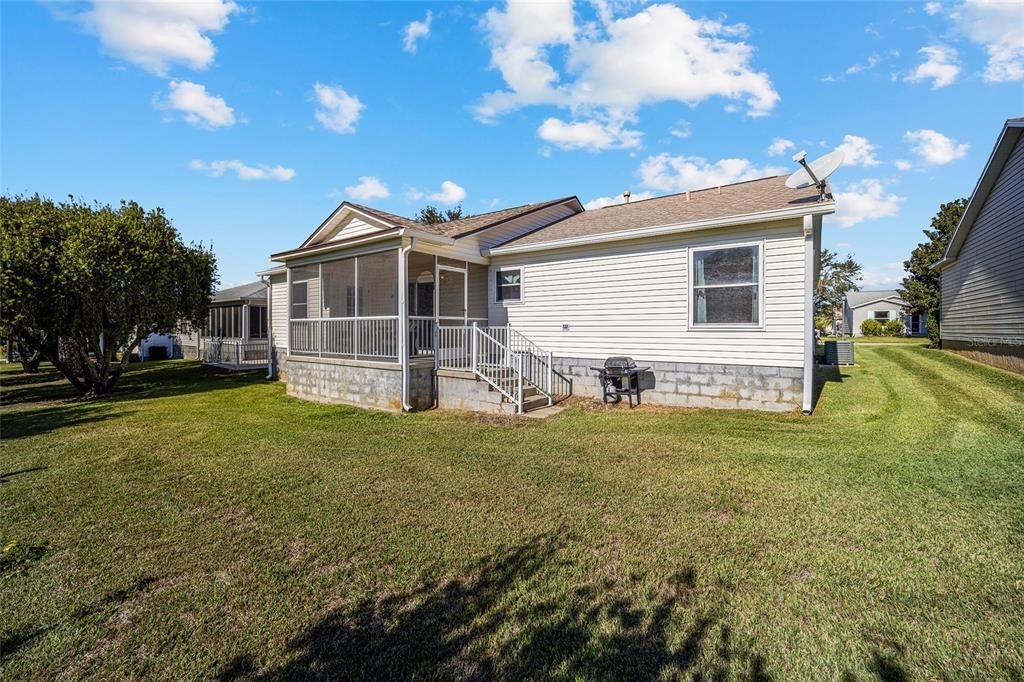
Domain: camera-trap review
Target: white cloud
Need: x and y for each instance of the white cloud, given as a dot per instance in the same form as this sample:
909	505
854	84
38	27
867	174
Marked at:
997	26
338	110
884	276
615	66
934	148
940	65
416	31
156	34
865	200
681	173
244	172
682	129
779	146
369	187
858	150
932	8
198	107
450	193
872	61
903	165
590	135
601	202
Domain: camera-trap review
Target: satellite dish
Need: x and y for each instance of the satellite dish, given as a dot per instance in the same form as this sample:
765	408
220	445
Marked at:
816	172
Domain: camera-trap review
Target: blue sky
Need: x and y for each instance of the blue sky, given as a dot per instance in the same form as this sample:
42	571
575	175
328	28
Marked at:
249	122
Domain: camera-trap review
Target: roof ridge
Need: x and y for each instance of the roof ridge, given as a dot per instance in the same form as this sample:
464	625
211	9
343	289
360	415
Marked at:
690	191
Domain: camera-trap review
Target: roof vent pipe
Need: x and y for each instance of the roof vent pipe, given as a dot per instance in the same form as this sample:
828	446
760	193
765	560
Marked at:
625	195
687	195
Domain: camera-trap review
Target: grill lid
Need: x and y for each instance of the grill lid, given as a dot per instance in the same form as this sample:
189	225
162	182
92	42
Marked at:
619	362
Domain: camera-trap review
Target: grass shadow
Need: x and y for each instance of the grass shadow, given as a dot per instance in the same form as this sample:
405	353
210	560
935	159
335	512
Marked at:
503	620
34	422
12	642
824	375
156	379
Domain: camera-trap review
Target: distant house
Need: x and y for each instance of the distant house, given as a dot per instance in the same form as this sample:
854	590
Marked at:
982	271
882	306
509	310
236	329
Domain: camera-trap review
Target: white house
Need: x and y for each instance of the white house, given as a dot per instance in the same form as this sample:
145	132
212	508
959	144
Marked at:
883	306
509	310
982	271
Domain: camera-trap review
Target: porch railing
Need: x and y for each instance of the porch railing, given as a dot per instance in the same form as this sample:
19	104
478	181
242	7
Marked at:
240	352
371	338
503	357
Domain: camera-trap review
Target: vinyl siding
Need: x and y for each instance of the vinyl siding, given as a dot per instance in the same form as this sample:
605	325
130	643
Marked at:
350	229
983	290
895	310
631	298
279	311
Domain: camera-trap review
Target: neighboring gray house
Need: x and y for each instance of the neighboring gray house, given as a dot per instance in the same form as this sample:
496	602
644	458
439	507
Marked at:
982	271
509	310
236	329
882	306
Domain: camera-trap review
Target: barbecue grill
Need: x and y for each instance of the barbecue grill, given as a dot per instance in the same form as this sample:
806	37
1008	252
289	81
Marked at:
620	376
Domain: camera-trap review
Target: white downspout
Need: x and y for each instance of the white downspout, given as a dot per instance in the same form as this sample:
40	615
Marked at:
270	326
403	319
810	277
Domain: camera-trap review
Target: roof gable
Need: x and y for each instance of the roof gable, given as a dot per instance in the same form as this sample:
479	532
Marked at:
859	299
1009	138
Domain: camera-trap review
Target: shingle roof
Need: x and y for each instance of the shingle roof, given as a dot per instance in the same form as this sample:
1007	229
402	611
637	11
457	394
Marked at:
459	228
754	196
855	299
256	291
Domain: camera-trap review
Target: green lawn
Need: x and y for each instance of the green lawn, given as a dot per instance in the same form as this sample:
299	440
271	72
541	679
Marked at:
206	525
912	340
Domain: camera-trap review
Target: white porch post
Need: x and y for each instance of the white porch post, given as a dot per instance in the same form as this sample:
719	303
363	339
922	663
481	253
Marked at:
473	345
245	321
288	313
403	319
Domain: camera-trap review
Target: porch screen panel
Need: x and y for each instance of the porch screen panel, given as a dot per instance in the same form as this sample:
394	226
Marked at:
477	291
257	322
421	284
378	284
338	286
451	294
302	302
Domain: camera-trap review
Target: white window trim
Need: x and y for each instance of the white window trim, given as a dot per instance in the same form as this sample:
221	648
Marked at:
522	284
718	326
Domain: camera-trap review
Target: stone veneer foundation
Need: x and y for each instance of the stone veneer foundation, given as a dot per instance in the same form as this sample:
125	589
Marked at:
464	391
691	384
362	383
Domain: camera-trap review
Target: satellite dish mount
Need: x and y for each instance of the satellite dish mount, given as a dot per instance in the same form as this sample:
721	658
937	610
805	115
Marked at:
815	173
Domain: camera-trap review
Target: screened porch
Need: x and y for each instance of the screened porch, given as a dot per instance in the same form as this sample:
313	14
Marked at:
350	307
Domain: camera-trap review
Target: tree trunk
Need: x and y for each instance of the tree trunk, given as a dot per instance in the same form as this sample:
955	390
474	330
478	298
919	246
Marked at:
29	358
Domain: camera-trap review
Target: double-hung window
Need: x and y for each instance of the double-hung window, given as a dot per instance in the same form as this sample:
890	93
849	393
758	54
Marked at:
880	315
508	285
726	285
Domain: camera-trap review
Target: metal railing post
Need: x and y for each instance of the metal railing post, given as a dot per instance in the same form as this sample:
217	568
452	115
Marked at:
473	346
519	382
551	378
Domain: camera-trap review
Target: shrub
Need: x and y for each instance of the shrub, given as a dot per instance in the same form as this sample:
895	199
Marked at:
894	328
933	331
871	327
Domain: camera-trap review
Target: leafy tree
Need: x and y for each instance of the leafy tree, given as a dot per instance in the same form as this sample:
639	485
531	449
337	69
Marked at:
921	286
83	284
432	215
838	277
